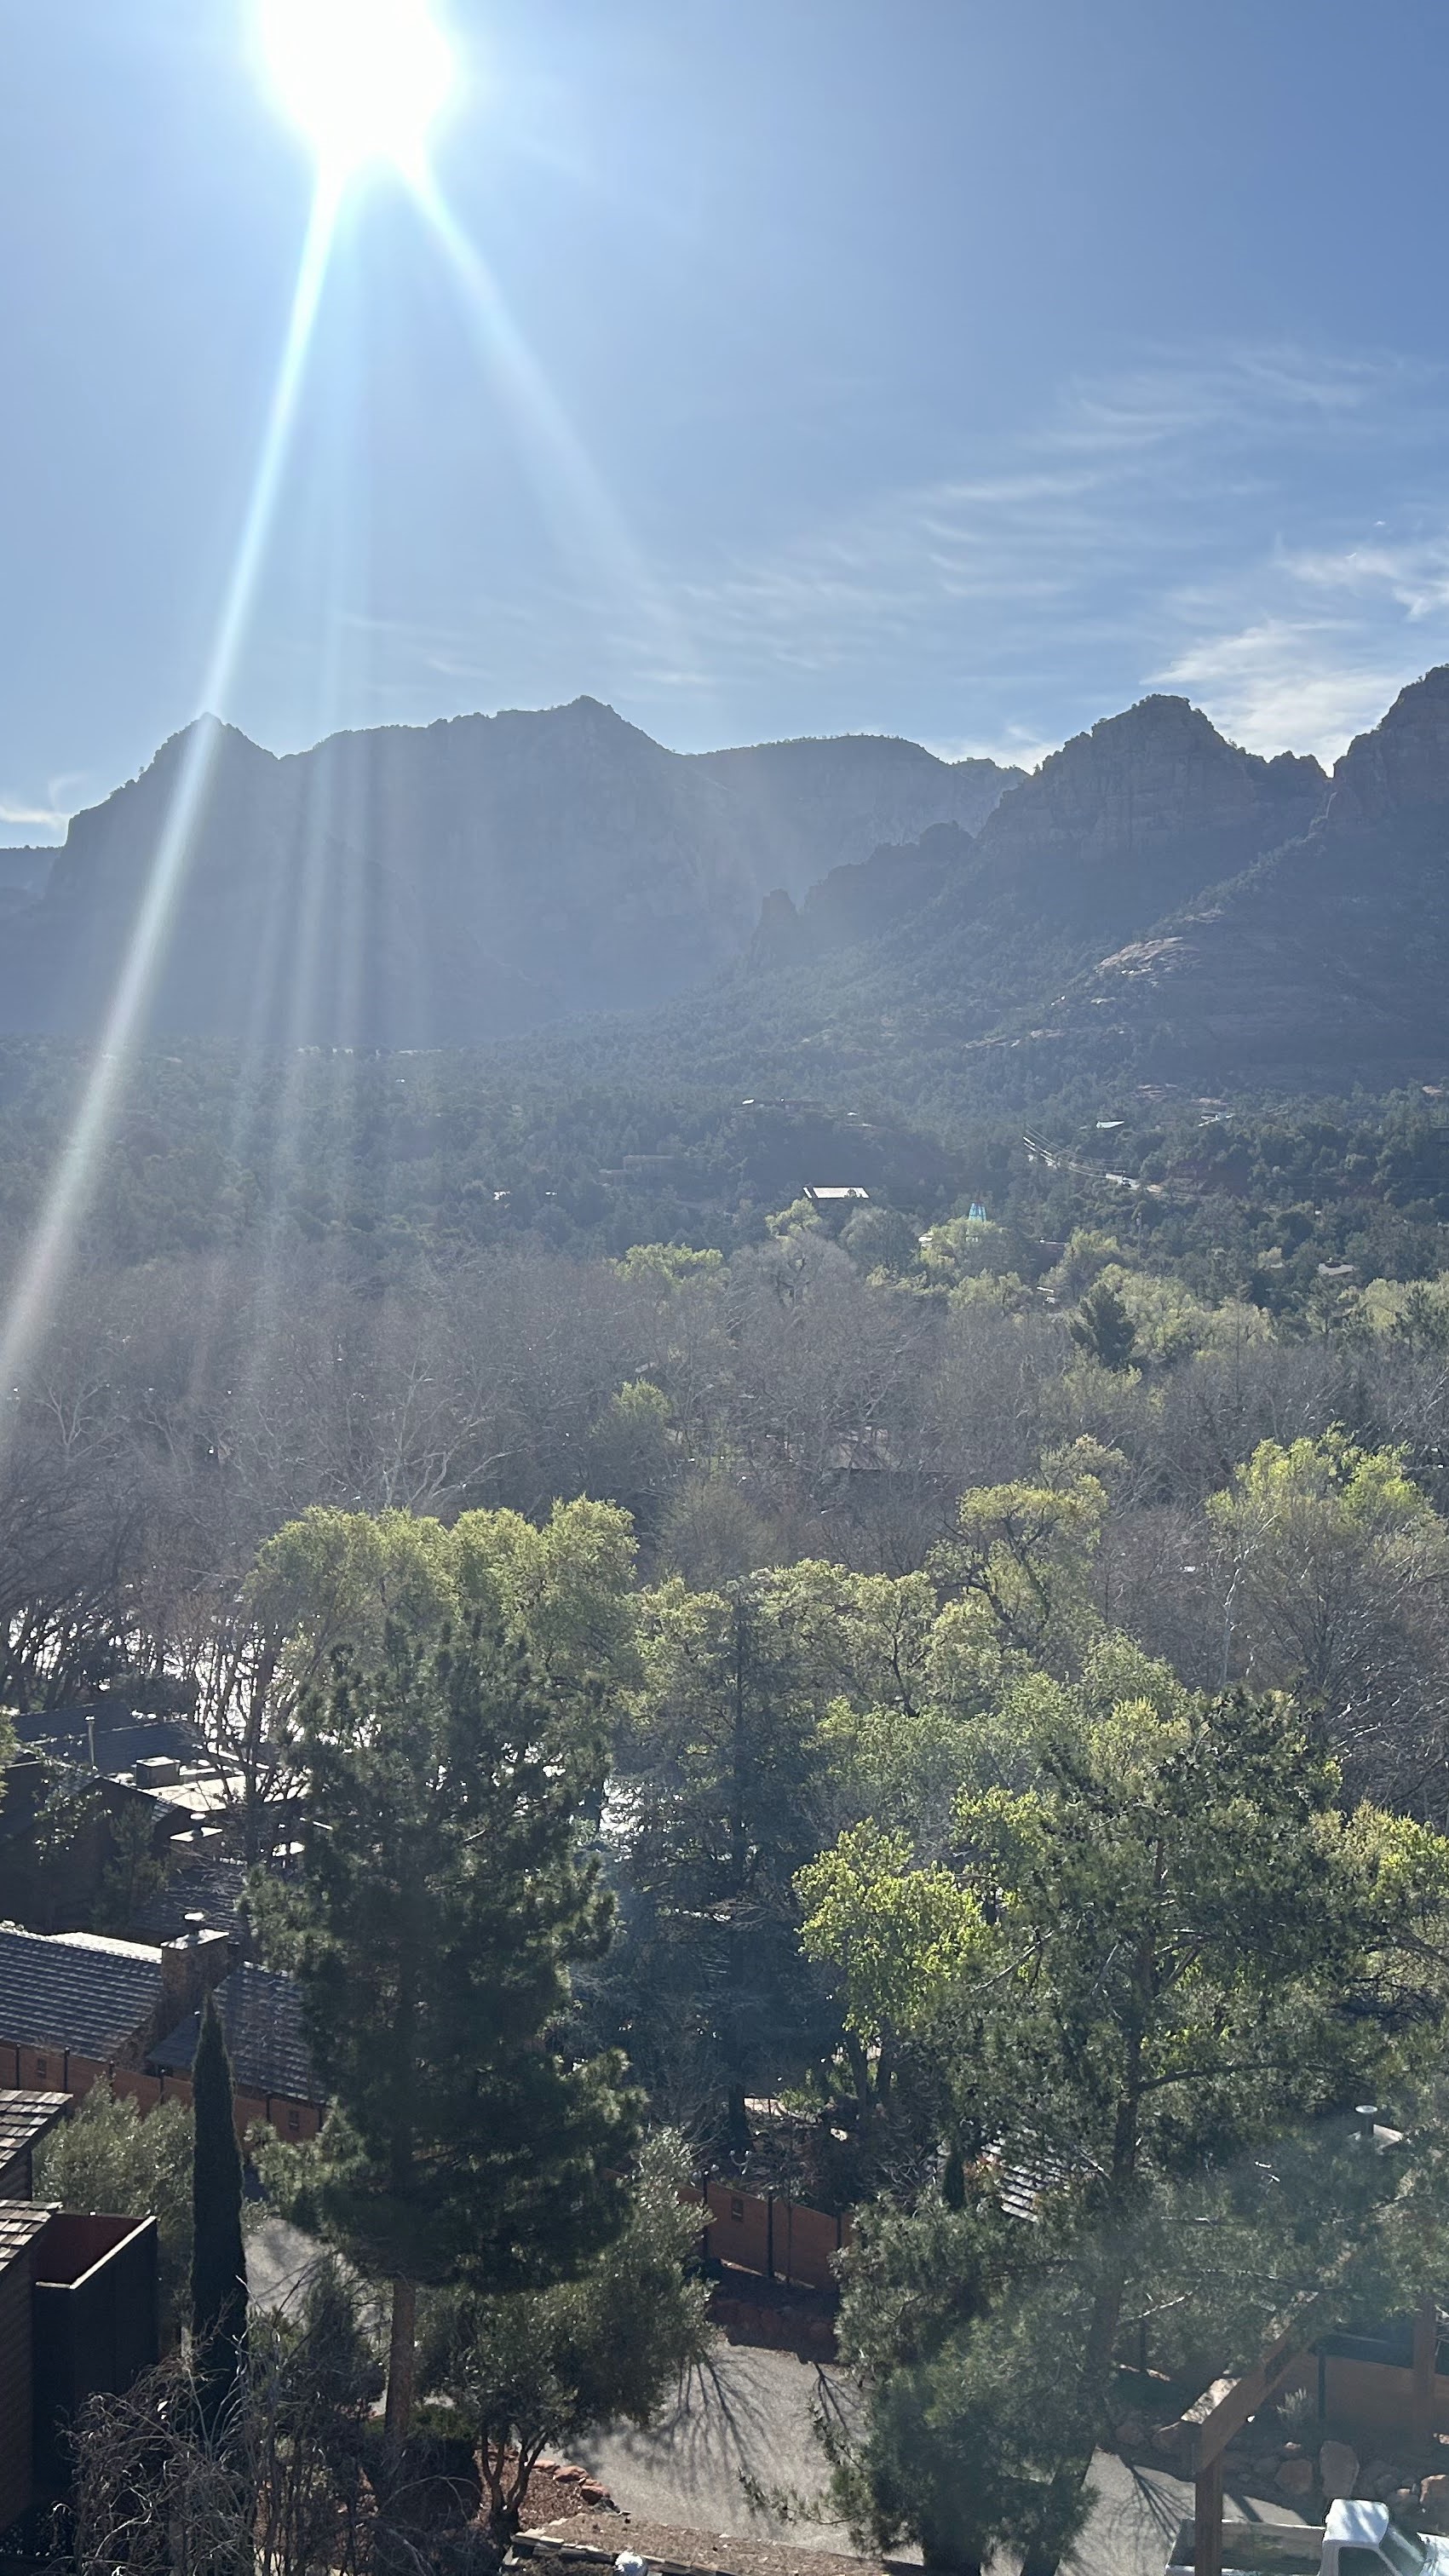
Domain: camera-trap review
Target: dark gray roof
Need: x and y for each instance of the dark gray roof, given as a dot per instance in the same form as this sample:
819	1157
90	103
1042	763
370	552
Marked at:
122	1739
21	2221
69	1993
25	2118
261	2017
211	1887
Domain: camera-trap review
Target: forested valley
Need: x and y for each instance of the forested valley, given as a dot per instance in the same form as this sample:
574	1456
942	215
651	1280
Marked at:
960	1667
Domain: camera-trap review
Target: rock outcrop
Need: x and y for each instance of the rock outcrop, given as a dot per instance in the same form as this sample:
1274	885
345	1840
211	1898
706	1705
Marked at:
1402	767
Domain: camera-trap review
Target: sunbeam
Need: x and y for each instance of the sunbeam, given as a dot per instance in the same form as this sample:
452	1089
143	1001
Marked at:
53	1235
565	481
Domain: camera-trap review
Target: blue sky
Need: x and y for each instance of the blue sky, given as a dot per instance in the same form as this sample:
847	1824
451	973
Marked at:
917	366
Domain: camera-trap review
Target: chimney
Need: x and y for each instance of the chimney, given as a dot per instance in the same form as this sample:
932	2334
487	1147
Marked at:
188	1966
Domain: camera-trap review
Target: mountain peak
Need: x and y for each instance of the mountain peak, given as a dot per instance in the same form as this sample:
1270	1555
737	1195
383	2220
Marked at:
1138	779
1402	766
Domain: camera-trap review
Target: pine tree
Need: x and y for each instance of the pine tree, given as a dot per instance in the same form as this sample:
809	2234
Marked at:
445	1896
218	2258
1103	1328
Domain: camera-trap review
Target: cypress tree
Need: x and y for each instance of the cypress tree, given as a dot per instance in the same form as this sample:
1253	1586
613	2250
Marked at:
218	2259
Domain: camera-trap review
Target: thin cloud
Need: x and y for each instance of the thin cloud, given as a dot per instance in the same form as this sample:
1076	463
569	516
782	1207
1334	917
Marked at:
1265	527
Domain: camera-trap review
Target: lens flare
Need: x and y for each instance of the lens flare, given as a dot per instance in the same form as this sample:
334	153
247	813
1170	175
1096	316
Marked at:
71	1186
363	79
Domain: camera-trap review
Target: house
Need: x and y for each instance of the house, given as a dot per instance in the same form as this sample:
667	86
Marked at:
261	2019
78	2317
76	2007
63	1830
829	1200
165	1756
25	2118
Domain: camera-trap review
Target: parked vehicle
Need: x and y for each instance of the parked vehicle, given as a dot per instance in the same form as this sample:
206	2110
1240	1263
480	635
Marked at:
1358	2539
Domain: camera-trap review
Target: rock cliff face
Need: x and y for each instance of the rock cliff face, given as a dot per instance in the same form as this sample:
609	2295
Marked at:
1121	825
1402	767
862	902
1324	965
850	797
1148	807
1152	907
1145	778
453	883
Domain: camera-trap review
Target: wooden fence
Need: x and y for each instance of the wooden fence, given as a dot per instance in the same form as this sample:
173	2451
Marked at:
769	2233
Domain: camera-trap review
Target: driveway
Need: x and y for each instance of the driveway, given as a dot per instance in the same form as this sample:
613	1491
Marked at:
747	2414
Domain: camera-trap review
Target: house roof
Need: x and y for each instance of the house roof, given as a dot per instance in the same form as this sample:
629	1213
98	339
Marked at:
21	2221
122	1737
25	2118
211	1886
74	1990
261	2020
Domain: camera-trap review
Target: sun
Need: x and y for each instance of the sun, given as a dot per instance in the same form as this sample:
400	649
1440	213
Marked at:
364	79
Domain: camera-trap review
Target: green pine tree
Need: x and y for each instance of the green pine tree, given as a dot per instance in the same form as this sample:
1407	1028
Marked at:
1103	1328
218	2258
446	1895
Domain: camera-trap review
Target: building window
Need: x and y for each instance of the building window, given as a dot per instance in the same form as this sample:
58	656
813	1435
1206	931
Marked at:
294	2120
737	2209
42	2068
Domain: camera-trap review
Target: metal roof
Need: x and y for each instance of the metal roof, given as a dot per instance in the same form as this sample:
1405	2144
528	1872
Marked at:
83	1993
261	2020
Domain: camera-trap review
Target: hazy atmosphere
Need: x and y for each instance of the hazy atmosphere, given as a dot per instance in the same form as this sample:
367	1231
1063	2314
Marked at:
953	371
724	1289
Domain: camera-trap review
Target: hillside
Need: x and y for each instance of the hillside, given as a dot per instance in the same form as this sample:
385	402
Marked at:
1325	965
453	883
907	975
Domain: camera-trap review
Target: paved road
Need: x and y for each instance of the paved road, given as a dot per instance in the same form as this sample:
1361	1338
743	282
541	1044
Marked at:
747	2414
750	2412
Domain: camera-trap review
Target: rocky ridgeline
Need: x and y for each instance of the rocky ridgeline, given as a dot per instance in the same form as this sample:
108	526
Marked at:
452	883
1401	768
1154	774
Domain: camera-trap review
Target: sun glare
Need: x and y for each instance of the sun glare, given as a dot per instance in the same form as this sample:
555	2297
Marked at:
363	79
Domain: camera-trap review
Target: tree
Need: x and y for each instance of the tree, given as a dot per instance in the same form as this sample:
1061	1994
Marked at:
1103	1328
962	2443
717	1791
443	1901
1024	1553
894	1939
1193	1951
330	1582
1330	1566
529	2370
106	2158
218	2257
286	2490
880	1238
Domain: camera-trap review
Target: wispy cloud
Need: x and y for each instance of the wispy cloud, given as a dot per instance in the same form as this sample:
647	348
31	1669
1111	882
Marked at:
48	814
1264	528
1217	526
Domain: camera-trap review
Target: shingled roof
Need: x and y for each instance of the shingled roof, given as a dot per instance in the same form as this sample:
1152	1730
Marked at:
21	2221
25	2117
75	1992
261	2018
